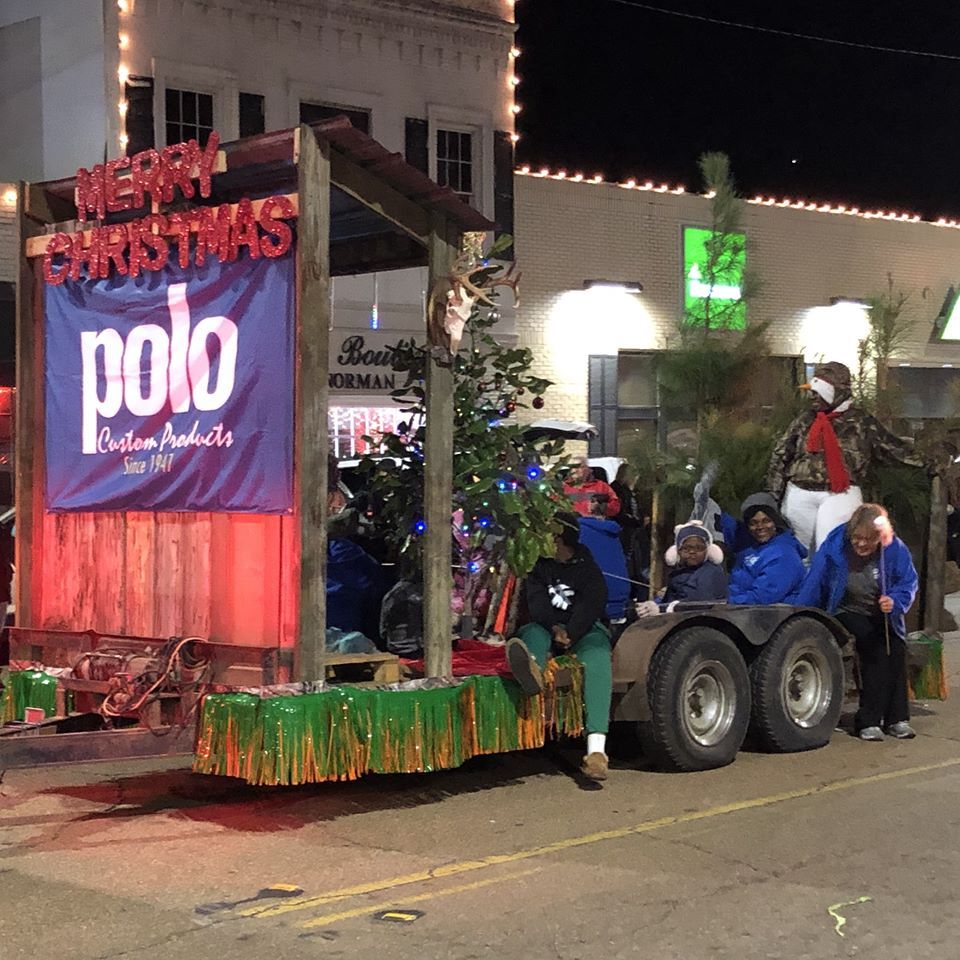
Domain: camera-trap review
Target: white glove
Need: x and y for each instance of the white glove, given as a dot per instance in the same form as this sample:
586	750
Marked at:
648	608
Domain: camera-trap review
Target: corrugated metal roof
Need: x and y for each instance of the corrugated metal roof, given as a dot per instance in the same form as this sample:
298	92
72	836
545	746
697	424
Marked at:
263	164
361	240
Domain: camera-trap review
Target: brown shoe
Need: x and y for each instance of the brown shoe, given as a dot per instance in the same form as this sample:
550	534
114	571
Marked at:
525	670
594	766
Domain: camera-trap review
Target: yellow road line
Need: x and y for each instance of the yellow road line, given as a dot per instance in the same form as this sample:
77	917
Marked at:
647	826
419	898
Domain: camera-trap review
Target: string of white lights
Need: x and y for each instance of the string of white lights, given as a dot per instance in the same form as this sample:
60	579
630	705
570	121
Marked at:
810	206
123	72
513	81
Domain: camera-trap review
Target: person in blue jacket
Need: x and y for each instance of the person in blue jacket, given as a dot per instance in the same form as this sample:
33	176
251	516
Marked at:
355	588
602	538
768	565
697	575
864	575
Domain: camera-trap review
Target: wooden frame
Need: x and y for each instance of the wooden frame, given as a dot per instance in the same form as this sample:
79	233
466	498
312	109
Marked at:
150	549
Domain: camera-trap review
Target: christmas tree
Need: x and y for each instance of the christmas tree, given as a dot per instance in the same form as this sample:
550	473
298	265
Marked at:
506	490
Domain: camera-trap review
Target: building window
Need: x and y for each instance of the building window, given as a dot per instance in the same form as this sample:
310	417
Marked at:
189	116
252	114
602	403
139	120
317	112
455	162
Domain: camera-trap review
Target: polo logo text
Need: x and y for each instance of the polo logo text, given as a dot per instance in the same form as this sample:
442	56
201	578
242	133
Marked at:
178	374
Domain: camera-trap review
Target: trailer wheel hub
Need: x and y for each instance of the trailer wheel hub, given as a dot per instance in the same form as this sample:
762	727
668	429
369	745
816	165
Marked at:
710	702
805	693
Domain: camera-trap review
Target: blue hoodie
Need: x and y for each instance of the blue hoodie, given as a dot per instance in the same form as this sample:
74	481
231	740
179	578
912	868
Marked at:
826	581
602	538
355	588
768	572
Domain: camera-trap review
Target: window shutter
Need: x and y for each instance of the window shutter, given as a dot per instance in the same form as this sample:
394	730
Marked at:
139	125
602	404
503	185
317	112
252	114
416	144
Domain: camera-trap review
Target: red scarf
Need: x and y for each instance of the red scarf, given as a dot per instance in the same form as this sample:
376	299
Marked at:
822	438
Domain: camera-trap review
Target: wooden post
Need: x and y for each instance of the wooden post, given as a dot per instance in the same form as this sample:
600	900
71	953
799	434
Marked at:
438	481
936	556
313	350
26	422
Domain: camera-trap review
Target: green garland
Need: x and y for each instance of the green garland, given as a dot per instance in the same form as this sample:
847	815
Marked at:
28	688
348	731
929	682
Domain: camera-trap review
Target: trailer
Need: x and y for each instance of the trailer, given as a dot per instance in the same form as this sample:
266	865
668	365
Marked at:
695	682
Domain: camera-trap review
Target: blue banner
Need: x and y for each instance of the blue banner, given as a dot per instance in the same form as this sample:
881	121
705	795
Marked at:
173	390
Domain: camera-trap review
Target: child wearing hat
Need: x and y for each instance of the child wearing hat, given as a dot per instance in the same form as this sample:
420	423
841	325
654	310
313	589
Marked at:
697	575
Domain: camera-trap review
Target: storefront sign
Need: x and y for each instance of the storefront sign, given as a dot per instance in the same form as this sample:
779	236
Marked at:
948	325
173	391
363	362
721	297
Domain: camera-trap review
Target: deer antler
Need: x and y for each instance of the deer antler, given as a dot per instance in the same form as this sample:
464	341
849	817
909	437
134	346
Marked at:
482	293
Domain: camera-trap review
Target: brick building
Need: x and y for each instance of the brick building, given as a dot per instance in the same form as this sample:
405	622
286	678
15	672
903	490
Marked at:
600	345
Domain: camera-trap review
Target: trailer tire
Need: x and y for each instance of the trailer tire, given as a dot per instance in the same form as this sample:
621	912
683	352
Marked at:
698	689
797	687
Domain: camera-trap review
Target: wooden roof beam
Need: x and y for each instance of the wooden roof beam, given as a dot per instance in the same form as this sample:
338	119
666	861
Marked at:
375	195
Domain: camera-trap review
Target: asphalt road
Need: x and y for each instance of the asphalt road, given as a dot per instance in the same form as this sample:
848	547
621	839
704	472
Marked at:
509	856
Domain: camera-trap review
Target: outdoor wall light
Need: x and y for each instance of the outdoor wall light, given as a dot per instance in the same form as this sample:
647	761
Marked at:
856	301
627	286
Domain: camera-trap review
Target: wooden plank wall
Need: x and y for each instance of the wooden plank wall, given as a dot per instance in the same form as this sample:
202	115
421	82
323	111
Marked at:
229	577
222	576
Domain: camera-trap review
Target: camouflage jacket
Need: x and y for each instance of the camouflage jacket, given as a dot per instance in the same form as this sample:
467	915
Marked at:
863	441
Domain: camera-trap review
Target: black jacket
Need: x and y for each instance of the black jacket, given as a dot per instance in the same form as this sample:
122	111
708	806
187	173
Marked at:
572	593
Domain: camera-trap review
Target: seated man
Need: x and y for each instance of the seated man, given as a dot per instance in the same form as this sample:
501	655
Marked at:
565	597
581	488
697	575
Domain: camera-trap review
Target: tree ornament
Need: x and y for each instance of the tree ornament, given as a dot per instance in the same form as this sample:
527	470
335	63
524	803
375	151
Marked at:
538	403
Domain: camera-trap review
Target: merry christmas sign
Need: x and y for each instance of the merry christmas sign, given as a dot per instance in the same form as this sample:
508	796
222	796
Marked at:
172	390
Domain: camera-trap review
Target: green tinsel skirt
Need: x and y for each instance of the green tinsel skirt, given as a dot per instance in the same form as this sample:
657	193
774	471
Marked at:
28	688
347	731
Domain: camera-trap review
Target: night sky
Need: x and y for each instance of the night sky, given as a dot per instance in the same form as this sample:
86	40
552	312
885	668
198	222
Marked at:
619	90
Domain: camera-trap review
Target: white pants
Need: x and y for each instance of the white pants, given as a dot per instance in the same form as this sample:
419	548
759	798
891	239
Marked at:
814	513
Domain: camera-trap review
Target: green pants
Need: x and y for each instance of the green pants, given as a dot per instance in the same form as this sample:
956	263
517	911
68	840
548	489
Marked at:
593	651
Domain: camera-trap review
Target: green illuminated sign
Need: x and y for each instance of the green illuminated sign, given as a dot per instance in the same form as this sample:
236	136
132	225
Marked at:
951	310
719	299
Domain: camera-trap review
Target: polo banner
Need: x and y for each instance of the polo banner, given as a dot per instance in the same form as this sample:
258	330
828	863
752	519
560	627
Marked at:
172	391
